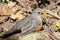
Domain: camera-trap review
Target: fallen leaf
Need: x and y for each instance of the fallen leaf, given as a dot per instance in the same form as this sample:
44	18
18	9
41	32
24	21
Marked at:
58	25
18	16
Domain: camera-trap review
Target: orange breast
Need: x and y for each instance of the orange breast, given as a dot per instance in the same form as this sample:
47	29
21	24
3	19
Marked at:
39	28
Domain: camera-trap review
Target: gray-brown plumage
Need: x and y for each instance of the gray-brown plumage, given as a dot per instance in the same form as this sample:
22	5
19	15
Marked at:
26	24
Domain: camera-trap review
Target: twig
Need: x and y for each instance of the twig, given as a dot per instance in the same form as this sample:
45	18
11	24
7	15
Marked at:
51	13
51	34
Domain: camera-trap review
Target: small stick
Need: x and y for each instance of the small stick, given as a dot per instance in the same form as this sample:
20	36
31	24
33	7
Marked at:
51	13
51	33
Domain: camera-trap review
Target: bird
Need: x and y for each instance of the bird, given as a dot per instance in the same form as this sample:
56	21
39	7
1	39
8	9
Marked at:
26	24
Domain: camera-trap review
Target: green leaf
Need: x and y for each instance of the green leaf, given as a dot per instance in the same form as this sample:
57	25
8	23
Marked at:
4	3
58	25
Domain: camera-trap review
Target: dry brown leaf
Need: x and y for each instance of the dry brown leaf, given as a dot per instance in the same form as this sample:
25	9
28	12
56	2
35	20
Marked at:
1	13
18	16
7	10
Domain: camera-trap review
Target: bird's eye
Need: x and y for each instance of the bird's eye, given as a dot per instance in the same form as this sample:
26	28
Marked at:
38	12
